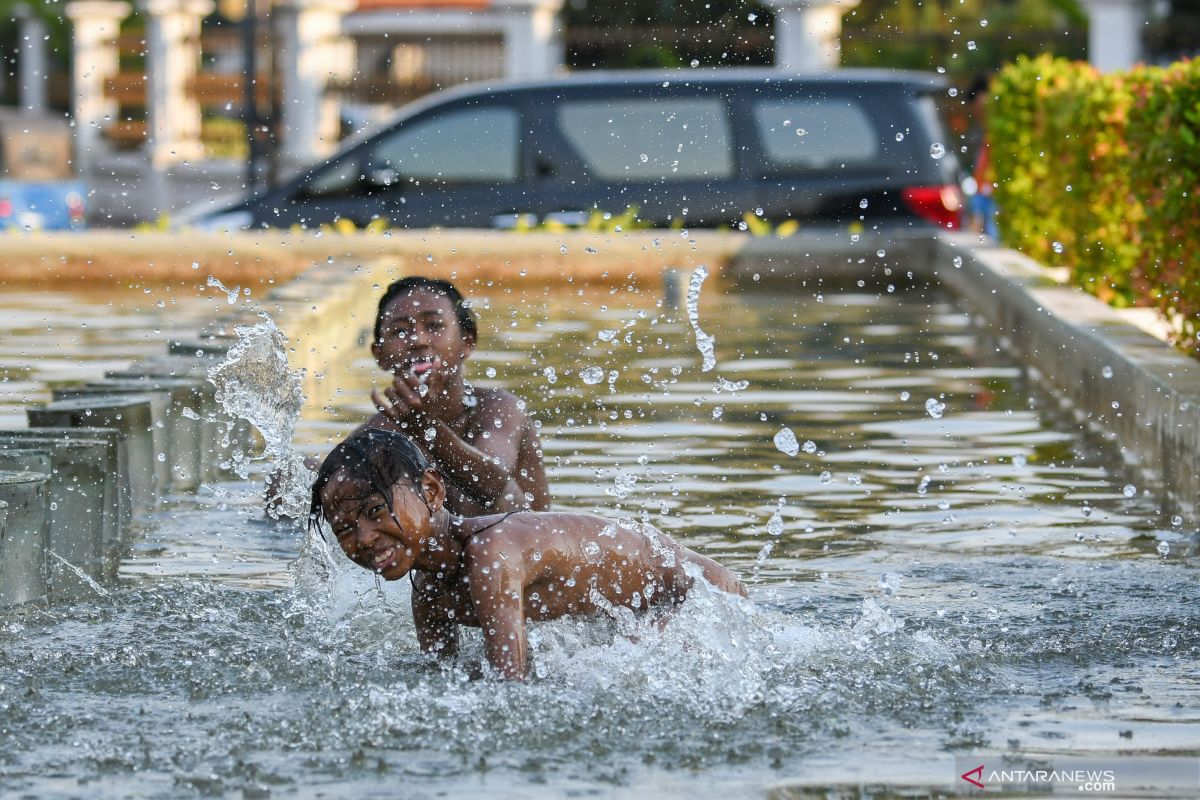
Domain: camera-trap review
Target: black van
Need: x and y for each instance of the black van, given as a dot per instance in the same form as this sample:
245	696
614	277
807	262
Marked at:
685	147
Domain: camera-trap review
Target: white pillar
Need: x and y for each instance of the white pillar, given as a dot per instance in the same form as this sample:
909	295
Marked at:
311	52
1115	29
808	33
96	24
532	41
172	61
31	58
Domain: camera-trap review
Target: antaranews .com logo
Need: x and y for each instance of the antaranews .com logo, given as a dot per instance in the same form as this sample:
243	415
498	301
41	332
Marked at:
1084	776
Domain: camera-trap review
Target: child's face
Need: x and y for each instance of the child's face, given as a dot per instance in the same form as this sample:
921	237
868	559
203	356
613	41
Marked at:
385	541
420	336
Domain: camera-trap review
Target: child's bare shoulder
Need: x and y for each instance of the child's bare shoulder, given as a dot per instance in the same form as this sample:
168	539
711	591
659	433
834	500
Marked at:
499	403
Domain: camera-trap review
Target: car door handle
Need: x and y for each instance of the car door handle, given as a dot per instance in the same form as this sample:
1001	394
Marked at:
514	219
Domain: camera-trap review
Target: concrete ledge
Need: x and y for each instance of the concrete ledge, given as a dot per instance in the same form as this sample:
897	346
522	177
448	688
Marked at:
274	257
23	548
1126	385
1122	382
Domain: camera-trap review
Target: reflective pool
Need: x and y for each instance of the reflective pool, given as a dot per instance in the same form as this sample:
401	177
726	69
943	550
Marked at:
955	567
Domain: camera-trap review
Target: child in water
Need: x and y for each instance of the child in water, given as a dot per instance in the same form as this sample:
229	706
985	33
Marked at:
483	442
386	507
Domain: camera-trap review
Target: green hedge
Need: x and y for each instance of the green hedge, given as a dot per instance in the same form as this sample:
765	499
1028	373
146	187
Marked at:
1101	173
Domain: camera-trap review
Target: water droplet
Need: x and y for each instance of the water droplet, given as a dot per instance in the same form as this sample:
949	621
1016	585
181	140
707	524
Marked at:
643	158
1176	521
971	44
551	375
899	137
809	446
801	132
934	409
826	477
904	396
1130	490
1107	371
490	372
1164	549
775	524
937	151
1056	247
785	442
863	203
958	262
591	375
695	62
1019	461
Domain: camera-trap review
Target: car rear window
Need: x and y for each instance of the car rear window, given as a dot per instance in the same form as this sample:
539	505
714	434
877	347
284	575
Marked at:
816	133
650	139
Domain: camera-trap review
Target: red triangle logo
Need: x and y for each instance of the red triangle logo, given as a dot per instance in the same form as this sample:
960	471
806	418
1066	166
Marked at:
977	780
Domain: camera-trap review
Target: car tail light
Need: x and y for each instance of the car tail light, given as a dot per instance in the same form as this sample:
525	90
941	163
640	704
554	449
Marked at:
75	206
941	205
6	207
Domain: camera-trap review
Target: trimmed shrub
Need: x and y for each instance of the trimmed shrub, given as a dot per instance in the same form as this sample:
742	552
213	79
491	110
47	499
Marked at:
1101	173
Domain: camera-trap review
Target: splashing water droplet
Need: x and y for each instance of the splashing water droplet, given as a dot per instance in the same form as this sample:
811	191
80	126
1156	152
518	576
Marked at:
1057	247
785	442
551	375
591	375
809	446
1130	490
1107	371
1164	549
775	524
958	262
934	409
1176	521
937	151
826	477
704	342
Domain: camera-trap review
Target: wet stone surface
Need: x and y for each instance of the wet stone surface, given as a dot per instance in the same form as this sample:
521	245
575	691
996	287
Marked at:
922	586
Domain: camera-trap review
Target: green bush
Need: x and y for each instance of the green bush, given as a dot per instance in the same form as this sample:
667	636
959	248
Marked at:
1100	173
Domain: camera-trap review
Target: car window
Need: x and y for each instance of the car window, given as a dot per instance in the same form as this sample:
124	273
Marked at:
816	133
470	145
645	139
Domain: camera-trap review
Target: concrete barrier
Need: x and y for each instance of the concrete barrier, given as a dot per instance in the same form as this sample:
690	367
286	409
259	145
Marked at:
220	435
133	417
84	523
23	548
178	405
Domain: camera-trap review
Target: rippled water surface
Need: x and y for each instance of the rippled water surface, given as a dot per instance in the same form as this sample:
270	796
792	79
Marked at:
943	577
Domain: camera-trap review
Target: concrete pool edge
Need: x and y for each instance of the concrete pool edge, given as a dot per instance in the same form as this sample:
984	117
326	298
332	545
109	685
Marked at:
1089	354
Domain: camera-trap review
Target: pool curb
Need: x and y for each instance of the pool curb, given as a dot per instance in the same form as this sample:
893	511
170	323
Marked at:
1126	385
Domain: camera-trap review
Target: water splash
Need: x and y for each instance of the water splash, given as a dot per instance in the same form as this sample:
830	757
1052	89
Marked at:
704	342
785	442
255	383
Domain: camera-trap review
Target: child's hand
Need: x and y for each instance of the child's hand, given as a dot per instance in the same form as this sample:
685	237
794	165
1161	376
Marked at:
400	402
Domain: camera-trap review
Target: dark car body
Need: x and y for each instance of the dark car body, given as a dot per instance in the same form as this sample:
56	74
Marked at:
687	147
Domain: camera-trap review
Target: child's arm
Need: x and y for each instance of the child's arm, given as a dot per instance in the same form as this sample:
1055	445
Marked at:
498	596
486	469
437	633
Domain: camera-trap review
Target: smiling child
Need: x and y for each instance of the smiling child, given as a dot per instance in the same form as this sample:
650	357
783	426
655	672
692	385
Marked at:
386	507
482	441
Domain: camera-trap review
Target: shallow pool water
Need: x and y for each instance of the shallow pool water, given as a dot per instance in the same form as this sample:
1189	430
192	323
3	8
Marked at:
943	578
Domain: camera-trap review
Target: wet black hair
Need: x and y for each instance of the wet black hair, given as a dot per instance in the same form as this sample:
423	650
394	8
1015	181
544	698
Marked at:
465	316
376	458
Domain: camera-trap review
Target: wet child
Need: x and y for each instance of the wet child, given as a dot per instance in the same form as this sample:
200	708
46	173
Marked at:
482	441
386	507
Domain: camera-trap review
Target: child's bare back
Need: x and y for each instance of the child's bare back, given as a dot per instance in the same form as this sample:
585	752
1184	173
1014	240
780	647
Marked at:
498	571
